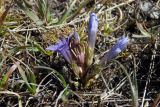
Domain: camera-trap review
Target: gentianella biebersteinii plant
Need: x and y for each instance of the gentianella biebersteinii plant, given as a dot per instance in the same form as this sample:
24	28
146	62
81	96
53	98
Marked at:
80	54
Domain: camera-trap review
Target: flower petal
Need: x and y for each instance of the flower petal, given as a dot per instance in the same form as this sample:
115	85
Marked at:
62	47
92	30
116	49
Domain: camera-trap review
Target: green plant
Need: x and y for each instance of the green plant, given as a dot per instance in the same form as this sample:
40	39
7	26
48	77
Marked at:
41	15
28	77
80	54
5	77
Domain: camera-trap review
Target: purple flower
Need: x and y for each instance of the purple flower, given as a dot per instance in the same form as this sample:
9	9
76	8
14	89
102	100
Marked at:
116	49
62	47
92	30
76	36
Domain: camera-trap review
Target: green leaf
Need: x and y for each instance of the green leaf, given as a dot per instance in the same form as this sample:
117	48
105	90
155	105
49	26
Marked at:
56	74
30	13
26	79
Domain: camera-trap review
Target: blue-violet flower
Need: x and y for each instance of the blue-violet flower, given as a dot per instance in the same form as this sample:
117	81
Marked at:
92	30
62	47
115	50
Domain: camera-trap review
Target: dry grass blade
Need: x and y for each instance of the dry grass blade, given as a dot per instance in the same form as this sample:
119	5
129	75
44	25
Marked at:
79	9
60	96
4	80
65	16
56	74
143	31
132	84
3	11
13	93
156	101
39	85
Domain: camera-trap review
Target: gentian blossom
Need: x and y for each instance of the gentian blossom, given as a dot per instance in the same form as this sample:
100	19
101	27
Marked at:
92	30
80	54
115	50
62	47
75	36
